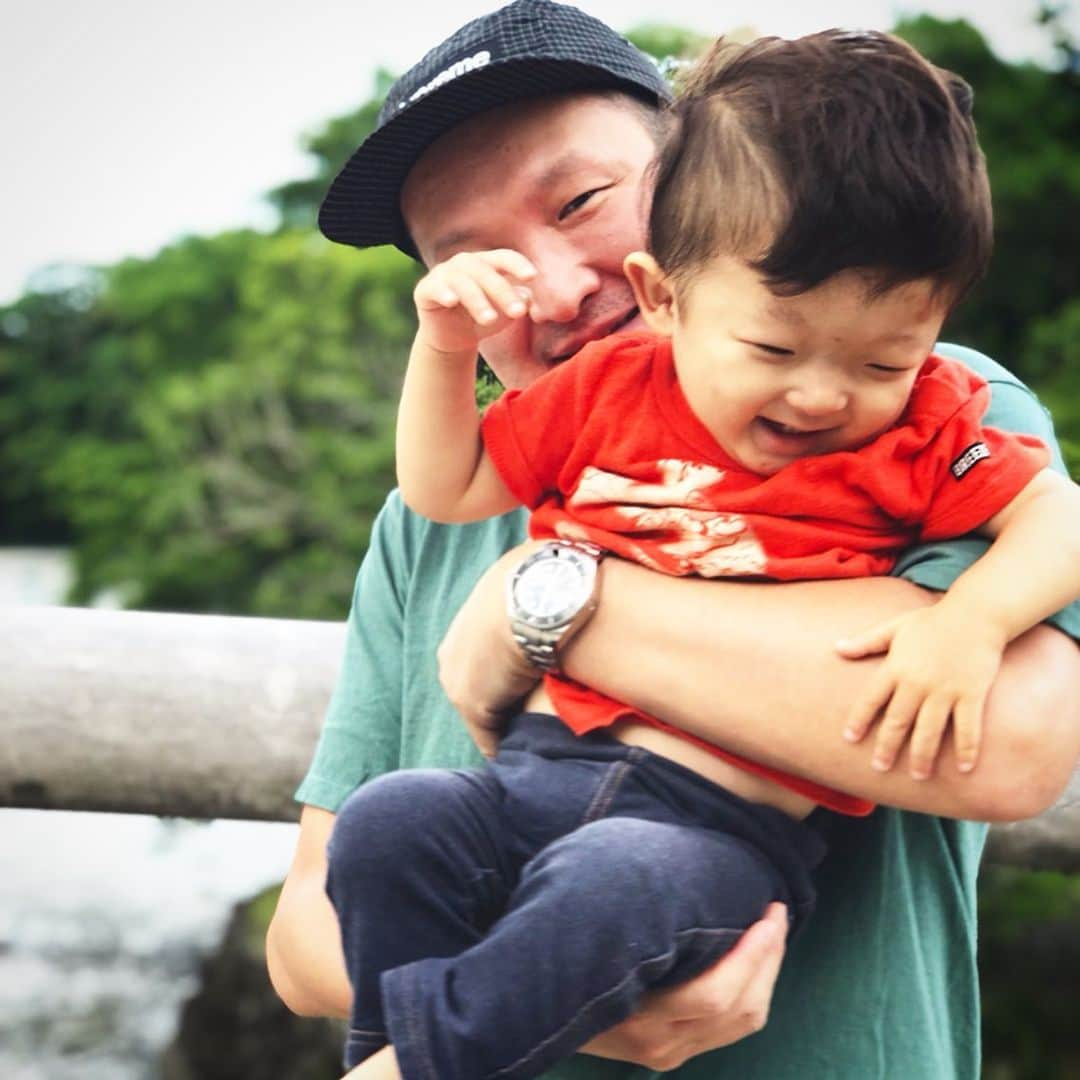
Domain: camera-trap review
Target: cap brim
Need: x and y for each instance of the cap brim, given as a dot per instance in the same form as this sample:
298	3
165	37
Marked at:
362	206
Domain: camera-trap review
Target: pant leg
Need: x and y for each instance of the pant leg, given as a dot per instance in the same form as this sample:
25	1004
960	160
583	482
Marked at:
415	869
618	906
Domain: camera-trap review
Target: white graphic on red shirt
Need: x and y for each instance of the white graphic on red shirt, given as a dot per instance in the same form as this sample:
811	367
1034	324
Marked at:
686	536
681	484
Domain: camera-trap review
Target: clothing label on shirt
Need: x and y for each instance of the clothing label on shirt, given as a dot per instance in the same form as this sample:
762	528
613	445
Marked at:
973	454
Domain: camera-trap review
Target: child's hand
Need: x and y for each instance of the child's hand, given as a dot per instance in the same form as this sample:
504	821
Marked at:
940	665
471	296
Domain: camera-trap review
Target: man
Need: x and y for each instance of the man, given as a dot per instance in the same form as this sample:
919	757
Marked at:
532	129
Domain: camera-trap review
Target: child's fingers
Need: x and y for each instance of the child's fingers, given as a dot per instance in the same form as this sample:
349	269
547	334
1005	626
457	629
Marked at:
926	738
509	262
865	710
967	731
485	292
894	726
869	643
433	292
473	298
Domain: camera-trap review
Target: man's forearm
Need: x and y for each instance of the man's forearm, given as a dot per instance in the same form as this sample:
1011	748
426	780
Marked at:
303	943
752	667
304	960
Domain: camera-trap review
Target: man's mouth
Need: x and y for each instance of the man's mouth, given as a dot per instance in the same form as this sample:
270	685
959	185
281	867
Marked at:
595	333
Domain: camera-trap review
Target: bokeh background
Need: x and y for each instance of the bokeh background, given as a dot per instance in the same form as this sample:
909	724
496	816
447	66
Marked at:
197	398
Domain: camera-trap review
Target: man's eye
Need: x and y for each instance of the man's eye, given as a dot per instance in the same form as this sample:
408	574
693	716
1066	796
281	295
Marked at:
577	203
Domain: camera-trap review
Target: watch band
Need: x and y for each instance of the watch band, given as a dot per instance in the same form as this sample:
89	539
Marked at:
539	648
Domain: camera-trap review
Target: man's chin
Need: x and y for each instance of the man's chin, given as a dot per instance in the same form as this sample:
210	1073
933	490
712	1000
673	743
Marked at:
636	325
517	374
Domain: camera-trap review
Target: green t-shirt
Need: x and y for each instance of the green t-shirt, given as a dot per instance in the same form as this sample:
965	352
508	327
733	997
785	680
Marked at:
881	984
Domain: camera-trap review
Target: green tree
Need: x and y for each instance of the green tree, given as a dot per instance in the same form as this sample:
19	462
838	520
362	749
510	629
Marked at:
211	427
215	430
44	396
1028	119
664	42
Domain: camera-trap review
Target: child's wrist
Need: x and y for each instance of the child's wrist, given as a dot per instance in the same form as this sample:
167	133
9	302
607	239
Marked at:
975	615
462	355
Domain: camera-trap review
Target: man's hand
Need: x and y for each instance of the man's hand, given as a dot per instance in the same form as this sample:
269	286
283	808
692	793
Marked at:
716	1008
480	666
940	667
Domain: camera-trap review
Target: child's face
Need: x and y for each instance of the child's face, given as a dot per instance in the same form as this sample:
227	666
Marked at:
779	378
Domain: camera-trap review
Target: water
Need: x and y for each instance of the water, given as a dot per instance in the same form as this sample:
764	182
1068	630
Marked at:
105	917
103	921
34	575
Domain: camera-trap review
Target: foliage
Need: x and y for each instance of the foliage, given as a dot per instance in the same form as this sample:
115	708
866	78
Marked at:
1027	120
1053	352
1029	960
211	428
44	397
668	42
223	436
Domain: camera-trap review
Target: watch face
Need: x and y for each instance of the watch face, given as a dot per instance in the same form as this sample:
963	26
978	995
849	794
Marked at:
551	590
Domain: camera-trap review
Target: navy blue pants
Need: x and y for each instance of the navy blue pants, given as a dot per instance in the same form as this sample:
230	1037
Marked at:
495	920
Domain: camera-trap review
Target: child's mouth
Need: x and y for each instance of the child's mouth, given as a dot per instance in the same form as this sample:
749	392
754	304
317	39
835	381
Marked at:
785	439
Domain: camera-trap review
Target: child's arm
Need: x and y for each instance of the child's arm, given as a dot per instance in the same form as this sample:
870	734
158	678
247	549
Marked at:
442	469
942	659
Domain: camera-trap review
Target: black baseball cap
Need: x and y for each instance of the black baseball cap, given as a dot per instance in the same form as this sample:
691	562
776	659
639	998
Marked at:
526	49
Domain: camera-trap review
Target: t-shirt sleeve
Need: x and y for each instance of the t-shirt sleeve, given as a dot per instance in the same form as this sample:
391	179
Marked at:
529	434
972	472
1013	407
361	733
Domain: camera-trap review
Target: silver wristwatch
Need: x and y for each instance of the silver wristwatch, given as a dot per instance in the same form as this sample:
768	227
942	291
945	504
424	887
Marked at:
550	597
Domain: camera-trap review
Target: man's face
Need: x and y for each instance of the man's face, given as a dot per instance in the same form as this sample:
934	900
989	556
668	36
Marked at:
560	180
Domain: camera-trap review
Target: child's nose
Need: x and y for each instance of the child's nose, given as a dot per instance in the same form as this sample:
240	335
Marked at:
818	399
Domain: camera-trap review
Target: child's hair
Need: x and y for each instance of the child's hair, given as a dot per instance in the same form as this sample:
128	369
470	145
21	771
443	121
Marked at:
839	151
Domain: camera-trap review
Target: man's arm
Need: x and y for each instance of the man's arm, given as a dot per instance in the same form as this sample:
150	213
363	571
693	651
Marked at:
303	943
752	667
360	738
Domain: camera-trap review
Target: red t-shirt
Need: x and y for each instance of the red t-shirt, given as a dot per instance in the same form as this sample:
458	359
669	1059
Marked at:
605	448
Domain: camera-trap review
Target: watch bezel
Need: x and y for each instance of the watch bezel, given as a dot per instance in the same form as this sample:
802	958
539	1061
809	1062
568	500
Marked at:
583	559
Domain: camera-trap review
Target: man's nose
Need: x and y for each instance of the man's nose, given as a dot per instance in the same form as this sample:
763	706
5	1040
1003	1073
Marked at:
563	282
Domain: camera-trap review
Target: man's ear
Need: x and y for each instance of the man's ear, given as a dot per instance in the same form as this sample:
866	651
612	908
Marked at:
652	290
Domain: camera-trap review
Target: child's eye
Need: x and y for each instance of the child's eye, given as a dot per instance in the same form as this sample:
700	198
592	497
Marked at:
885	369
577	203
772	350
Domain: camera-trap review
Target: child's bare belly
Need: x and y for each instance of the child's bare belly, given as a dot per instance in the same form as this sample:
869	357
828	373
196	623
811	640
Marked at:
755	789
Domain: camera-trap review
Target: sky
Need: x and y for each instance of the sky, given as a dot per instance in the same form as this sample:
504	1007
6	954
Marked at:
128	123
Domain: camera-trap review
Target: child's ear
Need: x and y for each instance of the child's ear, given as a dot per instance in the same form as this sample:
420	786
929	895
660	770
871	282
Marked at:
652	290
